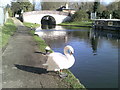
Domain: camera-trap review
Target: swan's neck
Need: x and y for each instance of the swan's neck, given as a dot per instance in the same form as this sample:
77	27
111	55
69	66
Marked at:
66	51
69	57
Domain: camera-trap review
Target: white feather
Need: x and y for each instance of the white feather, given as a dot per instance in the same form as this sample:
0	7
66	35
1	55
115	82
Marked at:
57	61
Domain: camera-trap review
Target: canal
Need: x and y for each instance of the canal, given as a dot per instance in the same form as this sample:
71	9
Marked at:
96	53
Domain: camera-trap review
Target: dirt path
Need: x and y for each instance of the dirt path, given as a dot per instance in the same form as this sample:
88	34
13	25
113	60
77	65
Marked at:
22	67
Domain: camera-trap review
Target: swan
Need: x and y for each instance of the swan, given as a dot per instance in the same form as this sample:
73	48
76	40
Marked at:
57	61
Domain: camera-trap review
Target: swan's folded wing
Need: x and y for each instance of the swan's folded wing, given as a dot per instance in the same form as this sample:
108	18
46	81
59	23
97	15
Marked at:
52	64
60	60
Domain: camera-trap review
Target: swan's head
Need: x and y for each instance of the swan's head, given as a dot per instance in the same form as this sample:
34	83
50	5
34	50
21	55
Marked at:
69	49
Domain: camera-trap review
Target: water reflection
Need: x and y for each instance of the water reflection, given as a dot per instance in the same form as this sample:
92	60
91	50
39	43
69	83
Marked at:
107	34
56	36
47	26
112	36
94	66
94	43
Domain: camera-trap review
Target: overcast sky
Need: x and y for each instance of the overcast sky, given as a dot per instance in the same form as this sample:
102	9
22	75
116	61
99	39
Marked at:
5	2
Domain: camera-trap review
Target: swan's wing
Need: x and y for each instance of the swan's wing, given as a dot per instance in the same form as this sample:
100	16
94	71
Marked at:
59	59
52	66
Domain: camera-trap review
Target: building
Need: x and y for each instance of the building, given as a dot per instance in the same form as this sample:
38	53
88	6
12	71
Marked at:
66	9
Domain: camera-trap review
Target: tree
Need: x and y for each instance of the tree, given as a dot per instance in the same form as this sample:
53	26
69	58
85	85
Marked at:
96	6
86	6
17	7
113	6
105	14
114	9
80	15
119	5
51	5
116	14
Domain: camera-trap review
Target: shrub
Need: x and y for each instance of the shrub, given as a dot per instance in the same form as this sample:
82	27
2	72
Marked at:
116	14
80	16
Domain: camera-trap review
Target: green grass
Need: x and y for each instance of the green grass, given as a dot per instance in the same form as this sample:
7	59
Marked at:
41	43
33	25
8	30
81	23
71	80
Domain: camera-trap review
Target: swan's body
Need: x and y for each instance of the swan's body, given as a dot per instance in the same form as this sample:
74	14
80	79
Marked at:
57	61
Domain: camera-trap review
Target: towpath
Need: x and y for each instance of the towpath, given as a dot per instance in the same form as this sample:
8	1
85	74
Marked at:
22	67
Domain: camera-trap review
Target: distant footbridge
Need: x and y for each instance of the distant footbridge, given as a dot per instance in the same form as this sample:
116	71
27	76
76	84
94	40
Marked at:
46	17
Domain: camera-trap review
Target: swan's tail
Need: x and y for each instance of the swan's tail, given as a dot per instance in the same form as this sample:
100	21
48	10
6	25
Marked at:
47	49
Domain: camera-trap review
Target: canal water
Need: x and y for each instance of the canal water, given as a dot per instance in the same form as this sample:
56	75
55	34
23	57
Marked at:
96	53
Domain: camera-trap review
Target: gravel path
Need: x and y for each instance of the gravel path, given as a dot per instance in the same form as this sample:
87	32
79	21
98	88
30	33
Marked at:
22	67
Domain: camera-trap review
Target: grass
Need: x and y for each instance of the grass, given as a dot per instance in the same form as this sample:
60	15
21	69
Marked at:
39	40
71	80
7	31
81	23
31	24
41	43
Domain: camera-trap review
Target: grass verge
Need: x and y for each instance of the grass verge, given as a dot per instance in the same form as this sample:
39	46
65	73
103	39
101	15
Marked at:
31	25
8	30
41	43
78	24
71	80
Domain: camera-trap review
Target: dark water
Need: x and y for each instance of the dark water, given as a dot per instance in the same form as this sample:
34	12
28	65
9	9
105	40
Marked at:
96	54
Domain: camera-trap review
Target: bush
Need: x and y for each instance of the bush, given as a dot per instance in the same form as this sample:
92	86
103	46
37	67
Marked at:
116	14
106	14
10	12
80	16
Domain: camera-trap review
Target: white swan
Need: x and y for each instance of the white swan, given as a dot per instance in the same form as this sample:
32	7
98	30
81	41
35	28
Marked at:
57	61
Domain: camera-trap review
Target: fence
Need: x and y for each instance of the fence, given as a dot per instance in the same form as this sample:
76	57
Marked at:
3	15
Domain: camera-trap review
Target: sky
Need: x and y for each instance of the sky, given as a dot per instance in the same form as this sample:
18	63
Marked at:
5	2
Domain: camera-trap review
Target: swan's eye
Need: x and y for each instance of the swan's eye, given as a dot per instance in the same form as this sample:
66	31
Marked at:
69	51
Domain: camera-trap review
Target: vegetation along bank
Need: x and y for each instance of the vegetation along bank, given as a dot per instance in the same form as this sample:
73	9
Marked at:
7	31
